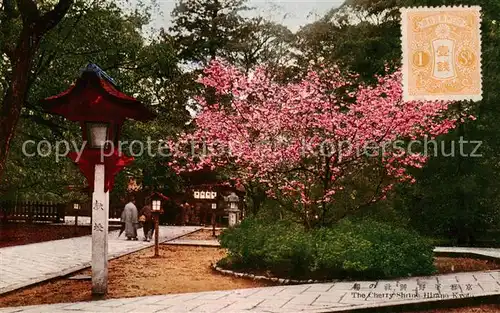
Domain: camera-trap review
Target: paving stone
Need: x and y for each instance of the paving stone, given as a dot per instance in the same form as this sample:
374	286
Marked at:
329	298
11	310
49	310
113	303
143	308
267	293
490	286
153	300
304	299
212	307
301	308
214	296
241	305
85	306
24	265
246	292
179	299
276	302
292	290
186	306
319	288
41	308
274	310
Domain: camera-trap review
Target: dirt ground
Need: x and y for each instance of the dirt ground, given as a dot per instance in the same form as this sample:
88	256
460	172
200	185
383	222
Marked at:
15	234
180	269
487	308
204	234
446	265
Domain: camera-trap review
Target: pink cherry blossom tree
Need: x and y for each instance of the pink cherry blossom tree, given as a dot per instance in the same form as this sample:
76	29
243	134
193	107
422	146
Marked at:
322	147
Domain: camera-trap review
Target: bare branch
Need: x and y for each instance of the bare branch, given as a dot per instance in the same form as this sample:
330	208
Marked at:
50	19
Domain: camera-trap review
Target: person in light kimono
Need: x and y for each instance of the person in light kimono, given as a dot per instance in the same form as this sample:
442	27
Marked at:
129	217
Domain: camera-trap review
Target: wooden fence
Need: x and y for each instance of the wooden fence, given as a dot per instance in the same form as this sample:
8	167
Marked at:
115	210
32	211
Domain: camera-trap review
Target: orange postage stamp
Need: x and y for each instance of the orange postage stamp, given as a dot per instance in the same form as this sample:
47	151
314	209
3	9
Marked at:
441	53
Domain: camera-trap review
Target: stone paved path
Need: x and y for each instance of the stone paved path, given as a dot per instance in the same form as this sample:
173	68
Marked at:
24	265
328	297
487	252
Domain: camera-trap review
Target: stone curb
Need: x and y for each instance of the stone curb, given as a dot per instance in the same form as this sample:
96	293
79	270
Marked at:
282	281
468	254
285	281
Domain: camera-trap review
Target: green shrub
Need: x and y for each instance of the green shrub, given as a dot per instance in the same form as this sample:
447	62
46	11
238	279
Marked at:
288	251
341	252
357	249
372	249
276	247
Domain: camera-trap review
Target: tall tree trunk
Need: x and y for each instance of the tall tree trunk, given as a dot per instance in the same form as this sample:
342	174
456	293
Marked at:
17	91
35	26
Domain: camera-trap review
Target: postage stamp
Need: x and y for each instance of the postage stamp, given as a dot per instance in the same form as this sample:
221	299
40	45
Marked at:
441	53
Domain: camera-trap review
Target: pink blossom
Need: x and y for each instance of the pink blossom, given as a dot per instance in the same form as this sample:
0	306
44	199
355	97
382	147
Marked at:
276	131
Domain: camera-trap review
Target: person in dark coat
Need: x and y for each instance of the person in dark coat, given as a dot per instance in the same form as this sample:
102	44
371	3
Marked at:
148	224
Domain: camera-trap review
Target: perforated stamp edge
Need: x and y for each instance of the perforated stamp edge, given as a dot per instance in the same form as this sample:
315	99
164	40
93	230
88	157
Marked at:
405	62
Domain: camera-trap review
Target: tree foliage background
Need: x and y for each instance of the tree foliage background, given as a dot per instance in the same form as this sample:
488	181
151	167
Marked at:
454	197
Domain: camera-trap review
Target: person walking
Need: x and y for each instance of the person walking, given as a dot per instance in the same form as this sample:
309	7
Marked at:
129	217
122	225
122	222
148	223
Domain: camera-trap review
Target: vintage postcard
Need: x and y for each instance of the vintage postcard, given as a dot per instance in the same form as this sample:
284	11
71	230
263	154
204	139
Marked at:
441	53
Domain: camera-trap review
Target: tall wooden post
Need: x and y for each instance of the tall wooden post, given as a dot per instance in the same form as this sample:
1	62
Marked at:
100	212
76	221
214	206
157	218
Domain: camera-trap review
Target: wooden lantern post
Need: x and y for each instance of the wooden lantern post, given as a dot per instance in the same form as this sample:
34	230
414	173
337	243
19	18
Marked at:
155	210
214	208
96	103
76	209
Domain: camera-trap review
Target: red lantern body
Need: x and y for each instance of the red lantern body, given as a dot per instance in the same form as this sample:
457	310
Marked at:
94	101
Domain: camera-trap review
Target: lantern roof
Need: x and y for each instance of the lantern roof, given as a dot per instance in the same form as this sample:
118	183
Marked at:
158	195
222	187
95	97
